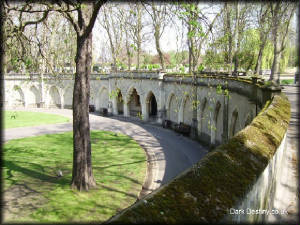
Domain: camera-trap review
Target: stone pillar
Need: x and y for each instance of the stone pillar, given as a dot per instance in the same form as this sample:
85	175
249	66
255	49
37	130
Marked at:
110	108
225	133
42	88
145	114
126	109
194	128
161	104
62	102
114	106
161	115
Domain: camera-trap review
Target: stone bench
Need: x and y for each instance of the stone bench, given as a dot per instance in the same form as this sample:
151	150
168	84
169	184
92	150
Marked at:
182	128
103	112
167	124
91	108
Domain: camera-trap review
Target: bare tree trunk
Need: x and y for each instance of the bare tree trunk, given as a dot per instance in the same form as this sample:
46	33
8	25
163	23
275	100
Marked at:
277	55
279	38
190	50
82	176
228	32
128	50
157	44
259	58
237	39
139	28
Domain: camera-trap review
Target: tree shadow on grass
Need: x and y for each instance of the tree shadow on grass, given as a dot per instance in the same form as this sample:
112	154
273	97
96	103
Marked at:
11	166
118	191
122	176
120	164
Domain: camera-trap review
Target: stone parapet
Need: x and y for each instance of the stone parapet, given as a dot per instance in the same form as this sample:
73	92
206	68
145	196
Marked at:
221	180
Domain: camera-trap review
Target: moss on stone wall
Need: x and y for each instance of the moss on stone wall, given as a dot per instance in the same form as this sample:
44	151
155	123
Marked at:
205	192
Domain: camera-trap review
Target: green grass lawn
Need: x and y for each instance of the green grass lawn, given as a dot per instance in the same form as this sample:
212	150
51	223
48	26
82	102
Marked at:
289	81
36	194
25	119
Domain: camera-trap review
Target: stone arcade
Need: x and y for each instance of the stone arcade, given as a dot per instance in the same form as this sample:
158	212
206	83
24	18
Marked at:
151	96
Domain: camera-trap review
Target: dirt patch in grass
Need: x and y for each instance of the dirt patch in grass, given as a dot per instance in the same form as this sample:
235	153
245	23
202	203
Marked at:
19	201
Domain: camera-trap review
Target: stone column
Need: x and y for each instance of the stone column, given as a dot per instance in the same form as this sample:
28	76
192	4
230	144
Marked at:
194	128
126	109
161	106
110	108
114	106
225	133
161	115
42	97
62	101
145	114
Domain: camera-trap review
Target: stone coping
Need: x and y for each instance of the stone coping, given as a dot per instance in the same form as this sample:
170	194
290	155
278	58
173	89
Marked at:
206	191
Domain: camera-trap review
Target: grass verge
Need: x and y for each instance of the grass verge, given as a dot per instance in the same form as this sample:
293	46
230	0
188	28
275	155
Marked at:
14	119
289	81
34	193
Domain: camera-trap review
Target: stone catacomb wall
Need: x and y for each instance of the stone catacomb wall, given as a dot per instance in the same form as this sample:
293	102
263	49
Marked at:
219	111
239	175
150	96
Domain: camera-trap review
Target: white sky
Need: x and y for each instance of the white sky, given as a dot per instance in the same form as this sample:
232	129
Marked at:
168	40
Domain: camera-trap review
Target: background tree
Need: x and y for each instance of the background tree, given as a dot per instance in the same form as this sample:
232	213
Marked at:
264	26
281	14
82	17
159	18
198	29
136	25
113	23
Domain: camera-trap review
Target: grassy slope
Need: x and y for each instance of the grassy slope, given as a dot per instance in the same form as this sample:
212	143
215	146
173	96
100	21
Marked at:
119	166
25	119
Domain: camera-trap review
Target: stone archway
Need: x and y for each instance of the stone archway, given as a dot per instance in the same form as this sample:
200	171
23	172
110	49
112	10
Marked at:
68	98
102	99
203	117
214	125
234	123
248	119
172	110
33	98
54	98
18	96
134	103
120	102
187	111
151	106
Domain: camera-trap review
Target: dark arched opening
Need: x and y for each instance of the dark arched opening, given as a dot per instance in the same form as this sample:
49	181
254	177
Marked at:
120	103
152	106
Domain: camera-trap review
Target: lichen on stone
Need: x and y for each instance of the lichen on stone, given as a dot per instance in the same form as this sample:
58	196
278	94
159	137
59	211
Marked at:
206	191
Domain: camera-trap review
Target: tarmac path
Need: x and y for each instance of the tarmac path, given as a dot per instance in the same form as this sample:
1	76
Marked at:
168	153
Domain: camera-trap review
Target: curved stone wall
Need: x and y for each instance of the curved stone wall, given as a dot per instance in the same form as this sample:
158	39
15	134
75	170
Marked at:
152	96
217	107
222	180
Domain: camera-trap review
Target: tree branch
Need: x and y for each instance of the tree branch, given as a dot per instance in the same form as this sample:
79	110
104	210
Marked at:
45	14
96	9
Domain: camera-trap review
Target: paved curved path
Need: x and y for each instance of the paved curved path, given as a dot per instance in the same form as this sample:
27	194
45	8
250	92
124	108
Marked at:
168	153
287	198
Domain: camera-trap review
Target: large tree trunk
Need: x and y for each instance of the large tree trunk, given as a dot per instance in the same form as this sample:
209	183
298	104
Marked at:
275	66
82	176
276	39
259	58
